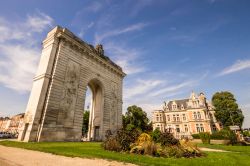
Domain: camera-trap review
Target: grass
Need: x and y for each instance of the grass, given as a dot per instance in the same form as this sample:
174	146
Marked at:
94	150
242	149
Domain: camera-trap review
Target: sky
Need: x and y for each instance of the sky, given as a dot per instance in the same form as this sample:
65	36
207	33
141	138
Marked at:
167	48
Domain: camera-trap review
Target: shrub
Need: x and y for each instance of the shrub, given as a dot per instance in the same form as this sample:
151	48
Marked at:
120	141
156	135
173	151
246	133
218	135
112	144
167	139
229	135
196	136
205	137
126	138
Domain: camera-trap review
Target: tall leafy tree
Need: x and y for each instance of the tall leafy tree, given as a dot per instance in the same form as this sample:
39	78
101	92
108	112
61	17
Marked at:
136	118
85	125
226	109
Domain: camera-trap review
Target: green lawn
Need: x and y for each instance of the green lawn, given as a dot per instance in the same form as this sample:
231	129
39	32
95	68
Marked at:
94	150
243	149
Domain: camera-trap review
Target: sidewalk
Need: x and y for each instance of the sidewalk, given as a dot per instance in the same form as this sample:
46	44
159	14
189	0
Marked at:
21	157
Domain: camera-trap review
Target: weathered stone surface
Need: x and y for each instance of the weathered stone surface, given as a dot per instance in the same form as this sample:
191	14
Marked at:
55	108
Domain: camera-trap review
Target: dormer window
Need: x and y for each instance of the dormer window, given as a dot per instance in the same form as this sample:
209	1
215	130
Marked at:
182	107
174	106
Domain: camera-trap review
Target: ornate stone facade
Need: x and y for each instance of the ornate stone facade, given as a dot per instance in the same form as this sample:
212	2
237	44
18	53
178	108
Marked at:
55	108
186	117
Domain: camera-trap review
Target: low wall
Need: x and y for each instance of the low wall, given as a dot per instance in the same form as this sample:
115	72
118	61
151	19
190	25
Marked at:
212	141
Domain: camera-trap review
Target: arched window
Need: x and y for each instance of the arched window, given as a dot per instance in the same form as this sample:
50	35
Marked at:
197	128
195	115
201	128
199	115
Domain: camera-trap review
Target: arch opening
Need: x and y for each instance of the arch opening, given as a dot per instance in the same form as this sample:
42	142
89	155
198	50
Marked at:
93	110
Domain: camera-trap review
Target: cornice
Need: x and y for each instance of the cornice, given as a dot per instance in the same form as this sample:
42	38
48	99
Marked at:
83	48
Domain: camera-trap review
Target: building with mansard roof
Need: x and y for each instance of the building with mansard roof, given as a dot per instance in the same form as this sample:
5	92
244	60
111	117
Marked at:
185	117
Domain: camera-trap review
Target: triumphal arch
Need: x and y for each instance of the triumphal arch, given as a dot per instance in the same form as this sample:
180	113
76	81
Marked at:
56	104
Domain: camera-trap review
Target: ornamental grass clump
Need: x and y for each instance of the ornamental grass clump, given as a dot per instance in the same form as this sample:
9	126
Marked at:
144	144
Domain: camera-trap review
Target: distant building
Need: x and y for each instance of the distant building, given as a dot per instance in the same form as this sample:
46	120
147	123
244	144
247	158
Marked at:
12	124
186	117
4	123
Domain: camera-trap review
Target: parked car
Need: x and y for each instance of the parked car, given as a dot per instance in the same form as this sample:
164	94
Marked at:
1	134
247	139
5	135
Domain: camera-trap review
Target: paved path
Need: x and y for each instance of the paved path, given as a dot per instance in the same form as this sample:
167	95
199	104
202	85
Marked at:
21	157
212	150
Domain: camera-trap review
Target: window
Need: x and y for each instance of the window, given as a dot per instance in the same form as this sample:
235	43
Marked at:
186	128
214	127
174	106
211	116
177	118
168	117
197	128
184	117
199	115
157	118
201	128
195	116
177	128
174	118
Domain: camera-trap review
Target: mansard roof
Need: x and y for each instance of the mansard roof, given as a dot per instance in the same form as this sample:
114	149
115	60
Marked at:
179	103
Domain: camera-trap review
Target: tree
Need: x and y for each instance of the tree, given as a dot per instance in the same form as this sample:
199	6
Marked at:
226	109
85	125
135	118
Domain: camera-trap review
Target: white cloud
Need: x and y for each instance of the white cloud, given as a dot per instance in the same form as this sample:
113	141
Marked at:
19	50
173	88
18	66
111	33
127	58
141	87
94	7
237	66
39	22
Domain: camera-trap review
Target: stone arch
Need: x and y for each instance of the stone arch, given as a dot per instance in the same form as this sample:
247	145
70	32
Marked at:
56	104
96	110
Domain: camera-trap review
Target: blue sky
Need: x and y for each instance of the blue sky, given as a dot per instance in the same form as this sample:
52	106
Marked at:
167	47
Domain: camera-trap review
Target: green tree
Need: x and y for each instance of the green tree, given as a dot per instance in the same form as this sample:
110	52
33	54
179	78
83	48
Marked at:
85	125
226	109
156	134
136	118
